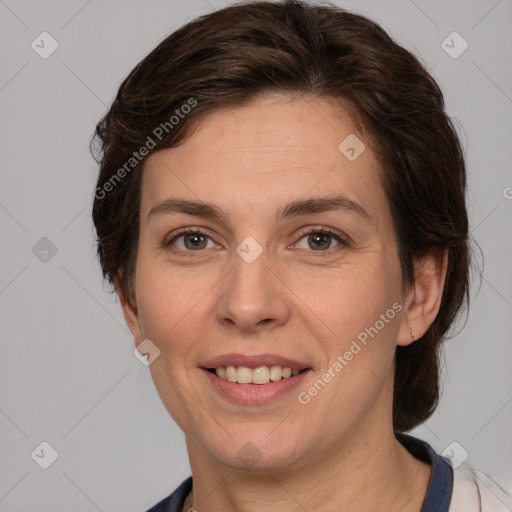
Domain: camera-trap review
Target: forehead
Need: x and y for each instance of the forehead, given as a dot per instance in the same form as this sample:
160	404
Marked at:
276	149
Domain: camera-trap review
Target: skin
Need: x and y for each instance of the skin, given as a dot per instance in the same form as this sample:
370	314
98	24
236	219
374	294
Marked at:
294	300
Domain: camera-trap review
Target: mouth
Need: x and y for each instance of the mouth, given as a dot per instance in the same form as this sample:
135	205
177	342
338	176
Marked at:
252	382
251	379
259	375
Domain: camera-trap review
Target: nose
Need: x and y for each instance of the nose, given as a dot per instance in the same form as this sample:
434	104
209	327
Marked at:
253	296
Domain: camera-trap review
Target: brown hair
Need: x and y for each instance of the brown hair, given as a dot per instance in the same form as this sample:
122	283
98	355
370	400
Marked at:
231	56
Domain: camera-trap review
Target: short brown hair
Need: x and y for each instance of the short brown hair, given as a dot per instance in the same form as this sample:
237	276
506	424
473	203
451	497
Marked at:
233	55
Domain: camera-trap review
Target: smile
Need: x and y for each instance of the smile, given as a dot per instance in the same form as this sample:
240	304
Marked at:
260	375
252	386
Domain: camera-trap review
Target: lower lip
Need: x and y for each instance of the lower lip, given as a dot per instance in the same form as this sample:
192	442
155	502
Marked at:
254	394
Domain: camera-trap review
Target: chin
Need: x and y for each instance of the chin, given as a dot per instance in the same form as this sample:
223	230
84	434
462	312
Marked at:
255	450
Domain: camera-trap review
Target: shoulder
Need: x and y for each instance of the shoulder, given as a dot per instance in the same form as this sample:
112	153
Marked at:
475	491
175	501
461	489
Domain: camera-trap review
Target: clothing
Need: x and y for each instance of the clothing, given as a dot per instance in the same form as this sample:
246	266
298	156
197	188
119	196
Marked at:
459	490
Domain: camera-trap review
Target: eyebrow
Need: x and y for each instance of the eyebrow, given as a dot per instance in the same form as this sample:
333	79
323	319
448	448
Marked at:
293	209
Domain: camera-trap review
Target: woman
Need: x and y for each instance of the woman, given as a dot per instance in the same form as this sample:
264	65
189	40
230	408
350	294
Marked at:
281	209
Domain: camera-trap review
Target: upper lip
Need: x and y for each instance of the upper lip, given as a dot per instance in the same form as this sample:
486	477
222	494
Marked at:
253	361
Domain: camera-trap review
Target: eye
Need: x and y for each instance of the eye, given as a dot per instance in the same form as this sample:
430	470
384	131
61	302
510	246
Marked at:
193	240
320	240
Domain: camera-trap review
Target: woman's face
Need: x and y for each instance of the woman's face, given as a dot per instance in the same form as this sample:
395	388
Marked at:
262	279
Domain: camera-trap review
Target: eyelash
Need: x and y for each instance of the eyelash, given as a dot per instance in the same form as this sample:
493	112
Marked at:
196	231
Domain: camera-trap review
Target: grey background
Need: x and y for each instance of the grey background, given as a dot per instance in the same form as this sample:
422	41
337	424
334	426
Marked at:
68	374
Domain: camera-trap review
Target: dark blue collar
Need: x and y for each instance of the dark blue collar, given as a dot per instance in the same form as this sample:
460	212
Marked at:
438	495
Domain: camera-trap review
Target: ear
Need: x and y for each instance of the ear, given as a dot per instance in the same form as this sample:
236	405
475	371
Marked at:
424	297
130	312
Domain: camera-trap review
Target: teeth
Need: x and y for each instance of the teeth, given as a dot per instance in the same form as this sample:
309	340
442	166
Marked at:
275	373
260	375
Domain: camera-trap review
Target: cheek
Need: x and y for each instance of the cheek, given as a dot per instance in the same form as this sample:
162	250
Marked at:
362	312
350	298
159	307
171	304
